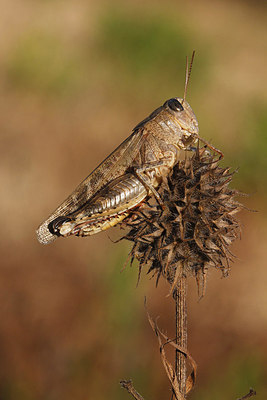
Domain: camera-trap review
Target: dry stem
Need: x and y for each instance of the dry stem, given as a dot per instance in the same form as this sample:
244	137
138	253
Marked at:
181	332
128	385
251	393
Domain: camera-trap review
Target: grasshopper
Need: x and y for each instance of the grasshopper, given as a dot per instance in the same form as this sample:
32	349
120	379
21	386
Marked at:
131	173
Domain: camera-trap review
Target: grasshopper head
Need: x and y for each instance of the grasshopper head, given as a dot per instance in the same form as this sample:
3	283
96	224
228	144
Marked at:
181	115
176	119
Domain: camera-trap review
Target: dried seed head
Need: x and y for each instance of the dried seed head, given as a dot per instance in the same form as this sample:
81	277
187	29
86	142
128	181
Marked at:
194	229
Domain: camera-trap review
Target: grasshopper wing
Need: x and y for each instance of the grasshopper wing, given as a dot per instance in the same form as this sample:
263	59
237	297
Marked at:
112	167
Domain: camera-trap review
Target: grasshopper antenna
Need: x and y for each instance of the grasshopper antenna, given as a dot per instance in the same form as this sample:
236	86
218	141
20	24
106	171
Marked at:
188	72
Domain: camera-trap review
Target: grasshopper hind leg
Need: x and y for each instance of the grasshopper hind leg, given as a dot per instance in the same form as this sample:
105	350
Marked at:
152	182
106	209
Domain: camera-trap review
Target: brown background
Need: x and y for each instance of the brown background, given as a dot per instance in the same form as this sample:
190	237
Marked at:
75	78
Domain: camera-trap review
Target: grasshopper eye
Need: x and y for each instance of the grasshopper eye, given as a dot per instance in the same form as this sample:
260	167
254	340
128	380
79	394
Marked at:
175	105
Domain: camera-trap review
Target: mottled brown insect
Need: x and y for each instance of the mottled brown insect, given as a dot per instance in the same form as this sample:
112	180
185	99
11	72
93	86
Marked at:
128	175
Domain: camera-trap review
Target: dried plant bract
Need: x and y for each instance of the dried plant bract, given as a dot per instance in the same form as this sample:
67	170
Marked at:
194	229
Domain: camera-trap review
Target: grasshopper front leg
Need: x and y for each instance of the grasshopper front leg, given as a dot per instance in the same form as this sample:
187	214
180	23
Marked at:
151	182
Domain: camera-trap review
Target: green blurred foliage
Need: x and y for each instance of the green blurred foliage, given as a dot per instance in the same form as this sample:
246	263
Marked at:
144	52
143	44
252	156
42	64
235	379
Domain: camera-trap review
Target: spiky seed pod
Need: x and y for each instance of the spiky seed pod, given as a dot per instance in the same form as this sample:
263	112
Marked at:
194	229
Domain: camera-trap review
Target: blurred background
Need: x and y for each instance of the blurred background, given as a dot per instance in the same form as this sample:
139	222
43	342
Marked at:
75	78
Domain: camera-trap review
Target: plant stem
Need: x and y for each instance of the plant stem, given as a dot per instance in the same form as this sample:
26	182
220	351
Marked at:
128	385
181	332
